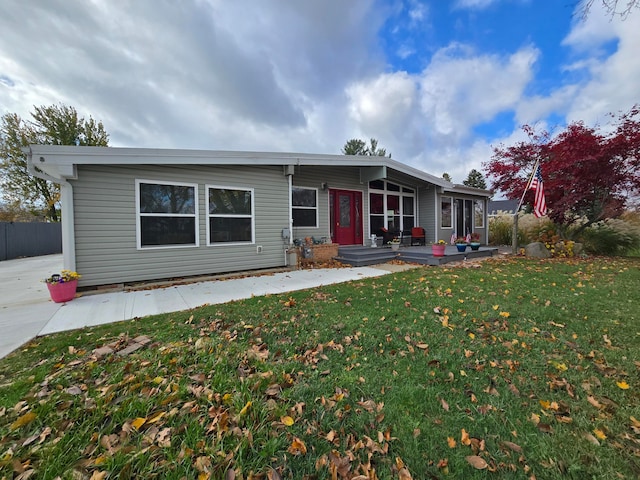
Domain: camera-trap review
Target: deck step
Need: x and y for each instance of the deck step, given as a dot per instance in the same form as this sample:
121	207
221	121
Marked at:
363	256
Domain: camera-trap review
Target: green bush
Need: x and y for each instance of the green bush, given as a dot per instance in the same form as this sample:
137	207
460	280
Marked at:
612	237
500	229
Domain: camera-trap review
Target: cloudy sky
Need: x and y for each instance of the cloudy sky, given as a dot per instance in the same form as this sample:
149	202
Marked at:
437	82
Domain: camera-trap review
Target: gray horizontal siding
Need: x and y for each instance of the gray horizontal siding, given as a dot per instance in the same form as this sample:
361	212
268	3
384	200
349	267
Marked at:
426	211
345	178
105	223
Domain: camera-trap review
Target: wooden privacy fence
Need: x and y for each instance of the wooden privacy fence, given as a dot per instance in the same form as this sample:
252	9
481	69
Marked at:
29	239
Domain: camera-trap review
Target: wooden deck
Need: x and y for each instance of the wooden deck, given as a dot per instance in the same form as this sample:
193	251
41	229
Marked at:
360	256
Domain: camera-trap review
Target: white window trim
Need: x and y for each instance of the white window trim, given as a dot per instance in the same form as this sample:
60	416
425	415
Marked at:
252	215
317	225
385	194
187	215
483	203
452	216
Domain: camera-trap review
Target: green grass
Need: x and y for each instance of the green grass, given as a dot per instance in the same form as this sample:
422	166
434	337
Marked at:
530	368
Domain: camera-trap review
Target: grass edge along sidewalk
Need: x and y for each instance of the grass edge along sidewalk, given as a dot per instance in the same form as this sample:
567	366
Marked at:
522	368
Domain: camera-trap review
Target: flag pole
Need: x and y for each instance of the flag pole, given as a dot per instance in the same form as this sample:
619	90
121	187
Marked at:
514	236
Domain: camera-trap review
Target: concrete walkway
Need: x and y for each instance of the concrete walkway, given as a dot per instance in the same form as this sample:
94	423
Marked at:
27	312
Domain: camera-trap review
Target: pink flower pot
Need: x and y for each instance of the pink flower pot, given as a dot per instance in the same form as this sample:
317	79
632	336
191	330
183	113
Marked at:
62	292
438	250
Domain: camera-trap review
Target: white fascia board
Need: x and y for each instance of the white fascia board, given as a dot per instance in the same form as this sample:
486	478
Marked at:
61	159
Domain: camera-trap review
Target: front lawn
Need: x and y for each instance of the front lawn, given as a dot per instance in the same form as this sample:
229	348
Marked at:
503	369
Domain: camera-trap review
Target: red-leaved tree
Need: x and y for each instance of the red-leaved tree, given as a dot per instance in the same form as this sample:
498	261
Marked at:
589	174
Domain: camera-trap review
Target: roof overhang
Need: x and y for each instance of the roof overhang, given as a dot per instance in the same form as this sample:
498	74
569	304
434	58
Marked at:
60	162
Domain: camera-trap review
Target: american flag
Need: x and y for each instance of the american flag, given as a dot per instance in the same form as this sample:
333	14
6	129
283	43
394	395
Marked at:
539	204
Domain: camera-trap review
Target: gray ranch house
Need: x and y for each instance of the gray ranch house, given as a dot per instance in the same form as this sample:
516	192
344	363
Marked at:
138	214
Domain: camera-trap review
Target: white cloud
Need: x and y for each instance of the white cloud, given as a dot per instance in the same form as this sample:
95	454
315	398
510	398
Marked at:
427	119
474	4
533	109
613	78
297	76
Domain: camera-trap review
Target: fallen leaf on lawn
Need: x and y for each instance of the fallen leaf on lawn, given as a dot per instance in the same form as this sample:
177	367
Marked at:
535	418
403	474
513	389
25	475
23	420
477	462
245	409
451	442
98	475
564	419
138	422
164	437
600	435
297	447
464	438
591	438
635	422
273	475
512	446
623	385
203	464
74	390
154	417
545	428
594	402
444	404
287	420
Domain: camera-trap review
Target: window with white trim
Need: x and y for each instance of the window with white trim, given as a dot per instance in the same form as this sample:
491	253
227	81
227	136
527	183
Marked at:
304	203
478	206
446	212
166	214
230	215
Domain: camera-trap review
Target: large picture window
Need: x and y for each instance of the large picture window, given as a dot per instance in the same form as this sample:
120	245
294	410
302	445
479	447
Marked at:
167	214
446	213
230	215
304	202
391	206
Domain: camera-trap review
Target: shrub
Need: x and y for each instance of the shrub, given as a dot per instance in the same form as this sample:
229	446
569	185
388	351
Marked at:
500	228
614	236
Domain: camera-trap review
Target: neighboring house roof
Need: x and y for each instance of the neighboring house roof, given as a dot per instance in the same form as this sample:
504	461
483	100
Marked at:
59	162
508	206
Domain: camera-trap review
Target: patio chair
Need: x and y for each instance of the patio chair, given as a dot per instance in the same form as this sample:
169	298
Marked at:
418	236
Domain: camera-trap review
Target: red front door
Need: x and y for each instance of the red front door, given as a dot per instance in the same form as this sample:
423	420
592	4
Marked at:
345	211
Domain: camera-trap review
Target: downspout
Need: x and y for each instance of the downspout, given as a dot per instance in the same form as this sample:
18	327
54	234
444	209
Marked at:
66	203
289	169
435	213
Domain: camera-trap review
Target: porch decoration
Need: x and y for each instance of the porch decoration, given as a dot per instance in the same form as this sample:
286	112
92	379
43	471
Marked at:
313	250
437	248
475	241
394	243
62	287
461	244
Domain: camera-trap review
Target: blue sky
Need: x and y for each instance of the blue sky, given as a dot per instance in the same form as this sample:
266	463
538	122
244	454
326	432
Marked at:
438	83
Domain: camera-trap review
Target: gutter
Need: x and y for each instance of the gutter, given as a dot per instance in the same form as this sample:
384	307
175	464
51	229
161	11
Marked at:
66	203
